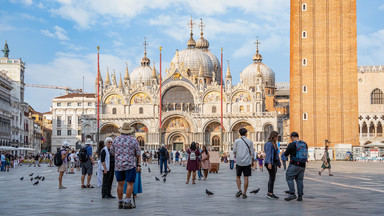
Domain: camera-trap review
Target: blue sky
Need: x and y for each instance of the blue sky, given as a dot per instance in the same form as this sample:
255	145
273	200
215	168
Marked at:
58	38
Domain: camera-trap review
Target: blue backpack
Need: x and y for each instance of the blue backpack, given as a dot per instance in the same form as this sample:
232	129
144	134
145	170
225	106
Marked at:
301	152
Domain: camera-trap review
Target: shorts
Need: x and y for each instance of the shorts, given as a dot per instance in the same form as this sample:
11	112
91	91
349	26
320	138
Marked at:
177	159
126	175
63	168
246	170
87	168
72	164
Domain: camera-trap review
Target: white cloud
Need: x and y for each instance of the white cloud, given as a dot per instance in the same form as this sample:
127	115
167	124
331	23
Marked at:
25	2
68	69
370	48
59	33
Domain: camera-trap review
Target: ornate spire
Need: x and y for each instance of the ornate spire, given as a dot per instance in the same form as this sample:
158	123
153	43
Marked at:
202	43
121	83
145	60
257	57
107	79
154	71
114	78
191	42
228	71
126	76
6	50
202	26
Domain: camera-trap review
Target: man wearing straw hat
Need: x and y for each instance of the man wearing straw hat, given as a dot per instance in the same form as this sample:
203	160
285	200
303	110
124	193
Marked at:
127	161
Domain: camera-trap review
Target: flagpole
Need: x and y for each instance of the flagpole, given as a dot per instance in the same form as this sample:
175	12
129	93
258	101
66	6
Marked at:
221	100
160	101
98	98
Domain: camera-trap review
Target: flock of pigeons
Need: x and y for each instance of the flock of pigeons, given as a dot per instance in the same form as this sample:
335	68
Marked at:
42	178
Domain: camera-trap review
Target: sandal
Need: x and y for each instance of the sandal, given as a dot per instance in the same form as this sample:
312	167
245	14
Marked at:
90	186
83	186
244	196
239	193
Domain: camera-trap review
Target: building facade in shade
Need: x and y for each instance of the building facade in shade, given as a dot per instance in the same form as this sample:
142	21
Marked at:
190	101
323	65
67	112
5	110
14	69
371	104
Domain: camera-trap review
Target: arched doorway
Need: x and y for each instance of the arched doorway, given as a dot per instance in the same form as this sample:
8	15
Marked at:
109	130
140	139
177	142
176	130
212	136
141	133
268	128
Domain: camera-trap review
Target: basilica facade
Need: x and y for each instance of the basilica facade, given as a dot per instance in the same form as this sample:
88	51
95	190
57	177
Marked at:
190	101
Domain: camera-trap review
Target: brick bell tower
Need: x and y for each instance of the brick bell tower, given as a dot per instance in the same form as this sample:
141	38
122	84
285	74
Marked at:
323	72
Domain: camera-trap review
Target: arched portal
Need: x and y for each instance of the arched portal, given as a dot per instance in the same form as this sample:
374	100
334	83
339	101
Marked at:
212	135
141	134
179	126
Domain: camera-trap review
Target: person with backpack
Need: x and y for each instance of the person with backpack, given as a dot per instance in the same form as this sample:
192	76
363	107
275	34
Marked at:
163	159
272	161
243	151
87	163
193	162
298	152
61	161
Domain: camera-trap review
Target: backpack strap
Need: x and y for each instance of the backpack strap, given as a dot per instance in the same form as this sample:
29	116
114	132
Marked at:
249	149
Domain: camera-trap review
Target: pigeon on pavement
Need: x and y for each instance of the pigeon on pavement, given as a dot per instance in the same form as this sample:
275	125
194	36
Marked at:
21	178
255	191
164	180
31	179
157	179
36	183
31	174
149	170
209	193
43	178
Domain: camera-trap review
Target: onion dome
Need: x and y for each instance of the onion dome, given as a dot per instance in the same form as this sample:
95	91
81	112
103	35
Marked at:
192	59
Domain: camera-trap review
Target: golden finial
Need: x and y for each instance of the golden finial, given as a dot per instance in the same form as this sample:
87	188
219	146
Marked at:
98	48
160	48
202	26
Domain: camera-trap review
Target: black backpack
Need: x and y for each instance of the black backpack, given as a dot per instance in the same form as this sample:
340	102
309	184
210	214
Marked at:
57	159
83	156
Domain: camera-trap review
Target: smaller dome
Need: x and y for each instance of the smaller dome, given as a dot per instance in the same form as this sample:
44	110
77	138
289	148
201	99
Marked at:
257	57
202	43
143	74
145	60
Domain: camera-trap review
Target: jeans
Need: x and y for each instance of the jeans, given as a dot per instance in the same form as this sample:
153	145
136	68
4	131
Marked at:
231	164
163	162
199	173
295	173
107	182
284	165
2	166
272	177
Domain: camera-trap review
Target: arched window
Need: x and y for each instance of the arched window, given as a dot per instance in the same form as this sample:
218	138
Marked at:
304	62
304	34
141	110
305	89
377	97
304	7
214	109
114	111
305	116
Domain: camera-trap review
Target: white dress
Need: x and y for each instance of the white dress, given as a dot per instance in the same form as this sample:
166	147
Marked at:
99	174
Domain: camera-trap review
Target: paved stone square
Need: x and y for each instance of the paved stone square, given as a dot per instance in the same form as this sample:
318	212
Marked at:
356	189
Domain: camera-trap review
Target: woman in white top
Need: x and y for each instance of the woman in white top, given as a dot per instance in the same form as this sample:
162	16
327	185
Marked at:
72	158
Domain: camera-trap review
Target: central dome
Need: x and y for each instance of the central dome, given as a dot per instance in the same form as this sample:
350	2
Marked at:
192	58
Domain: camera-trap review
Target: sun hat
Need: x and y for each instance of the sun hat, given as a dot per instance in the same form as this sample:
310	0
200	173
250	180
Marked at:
88	142
126	129
66	144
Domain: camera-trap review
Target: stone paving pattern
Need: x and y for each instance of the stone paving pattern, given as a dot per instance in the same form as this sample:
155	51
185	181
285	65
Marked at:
356	189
